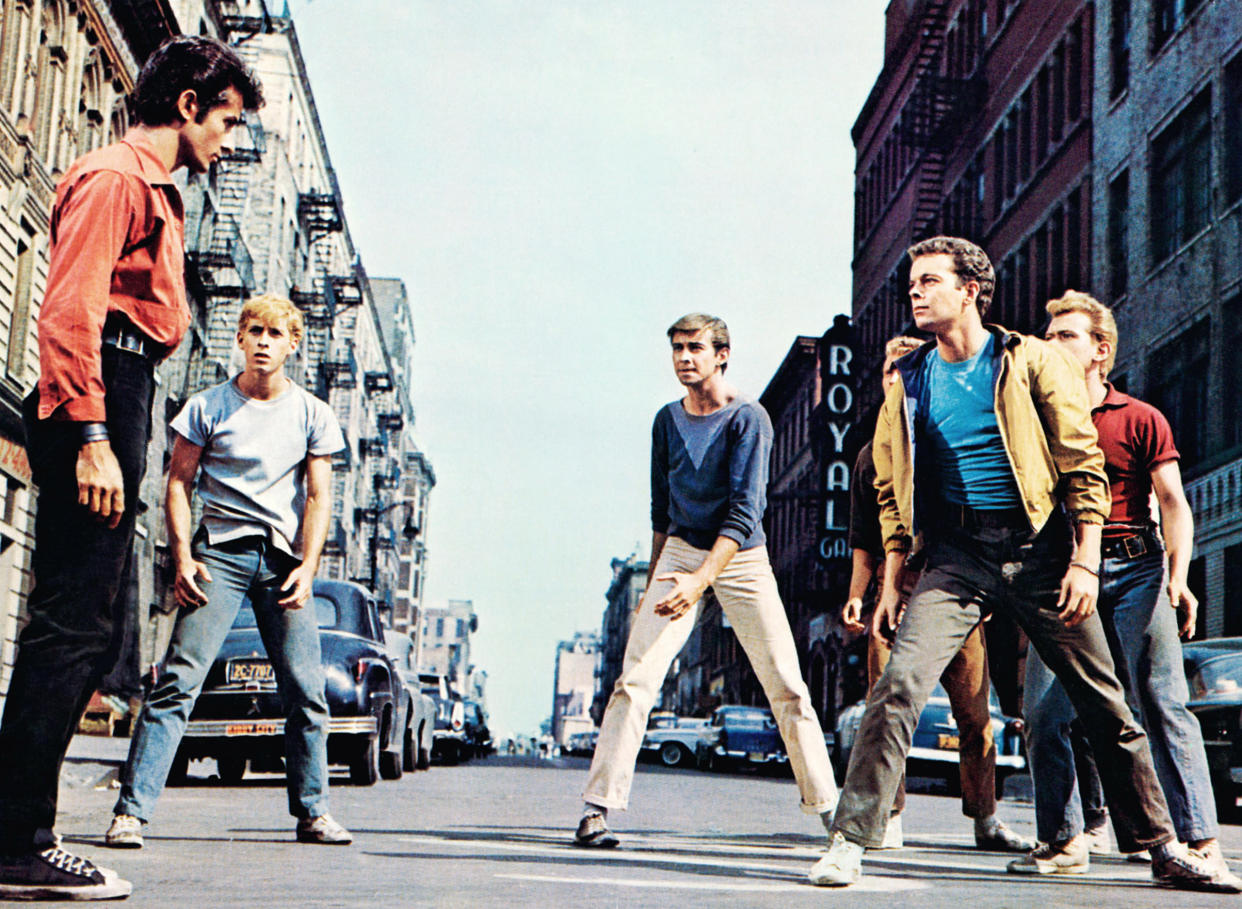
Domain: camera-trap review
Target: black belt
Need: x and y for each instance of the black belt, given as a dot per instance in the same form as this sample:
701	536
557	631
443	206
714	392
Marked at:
1131	547
951	514
123	336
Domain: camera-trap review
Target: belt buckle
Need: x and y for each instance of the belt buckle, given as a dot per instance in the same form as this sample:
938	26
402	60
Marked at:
1139	548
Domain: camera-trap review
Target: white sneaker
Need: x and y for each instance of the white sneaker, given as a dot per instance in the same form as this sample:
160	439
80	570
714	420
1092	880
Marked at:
1099	840
893	838
1068	857
840	866
125	832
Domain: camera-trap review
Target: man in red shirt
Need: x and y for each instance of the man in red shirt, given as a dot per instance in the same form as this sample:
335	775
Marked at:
114	307
1145	601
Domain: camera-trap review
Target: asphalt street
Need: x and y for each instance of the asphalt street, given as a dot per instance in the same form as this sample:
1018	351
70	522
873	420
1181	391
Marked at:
496	833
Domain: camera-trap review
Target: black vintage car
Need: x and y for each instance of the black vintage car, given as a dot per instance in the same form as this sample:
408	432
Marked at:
1214	674
238	718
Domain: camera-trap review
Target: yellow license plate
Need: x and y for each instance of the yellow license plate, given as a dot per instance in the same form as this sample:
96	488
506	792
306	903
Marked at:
250	671
948	742
251	729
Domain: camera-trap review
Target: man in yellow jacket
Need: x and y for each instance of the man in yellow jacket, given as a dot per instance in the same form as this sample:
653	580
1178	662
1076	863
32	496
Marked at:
987	465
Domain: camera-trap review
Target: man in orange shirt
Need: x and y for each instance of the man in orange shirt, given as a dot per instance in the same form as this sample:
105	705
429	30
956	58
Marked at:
114	307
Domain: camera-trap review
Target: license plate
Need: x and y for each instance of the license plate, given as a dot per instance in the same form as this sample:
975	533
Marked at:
757	756
949	742
251	729
250	671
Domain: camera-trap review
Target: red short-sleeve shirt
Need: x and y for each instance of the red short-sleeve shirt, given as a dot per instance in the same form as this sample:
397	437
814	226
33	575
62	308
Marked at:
1135	438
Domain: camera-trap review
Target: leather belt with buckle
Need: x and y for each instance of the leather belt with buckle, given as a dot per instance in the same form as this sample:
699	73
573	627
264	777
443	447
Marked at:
1126	548
125	337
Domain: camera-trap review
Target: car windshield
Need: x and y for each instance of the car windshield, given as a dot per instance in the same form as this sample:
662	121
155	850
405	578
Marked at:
748	719
1221	675
325	613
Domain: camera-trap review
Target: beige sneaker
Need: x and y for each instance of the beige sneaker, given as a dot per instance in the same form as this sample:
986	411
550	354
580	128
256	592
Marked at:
125	832
1068	857
840	866
1099	840
893	838
324	831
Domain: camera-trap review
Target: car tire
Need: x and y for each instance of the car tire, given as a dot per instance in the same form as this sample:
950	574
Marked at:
424	758
392	762
364	769
409	761
179	772
673	755
231	768
1000	784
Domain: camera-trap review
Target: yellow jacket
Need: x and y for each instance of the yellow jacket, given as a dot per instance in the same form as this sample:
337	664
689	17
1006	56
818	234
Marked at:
1044	418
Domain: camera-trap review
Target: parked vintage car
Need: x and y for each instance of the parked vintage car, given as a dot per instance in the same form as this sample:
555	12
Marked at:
238	718
478	737
420	729
934	752
675	741
1214	675
582	744
449	735
742	736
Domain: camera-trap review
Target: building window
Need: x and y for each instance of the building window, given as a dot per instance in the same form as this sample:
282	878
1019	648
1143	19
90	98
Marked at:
19	319
1231	426
1181	188
1179	389
1119	46
1118	233
1167	17
1233	130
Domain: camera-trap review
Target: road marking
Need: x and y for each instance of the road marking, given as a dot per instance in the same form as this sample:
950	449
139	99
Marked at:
871	885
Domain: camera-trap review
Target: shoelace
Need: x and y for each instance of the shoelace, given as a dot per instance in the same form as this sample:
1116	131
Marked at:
72	864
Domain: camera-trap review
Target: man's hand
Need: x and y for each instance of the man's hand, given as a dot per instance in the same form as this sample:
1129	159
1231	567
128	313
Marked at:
887	615
187	591
1079	591
101	488
687	590
851	615
298	585
1186	604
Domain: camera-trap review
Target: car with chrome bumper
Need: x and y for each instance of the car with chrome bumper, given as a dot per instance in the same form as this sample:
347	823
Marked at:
1214	677
935	748
238	719
675	741
742	736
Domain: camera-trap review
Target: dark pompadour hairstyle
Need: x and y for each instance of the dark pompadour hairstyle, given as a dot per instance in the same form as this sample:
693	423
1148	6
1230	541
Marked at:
204	65
970	263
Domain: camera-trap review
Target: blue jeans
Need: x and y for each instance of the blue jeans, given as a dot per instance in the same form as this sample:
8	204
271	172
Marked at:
239	569
1143	634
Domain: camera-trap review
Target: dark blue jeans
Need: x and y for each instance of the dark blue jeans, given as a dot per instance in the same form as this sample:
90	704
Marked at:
967	576
1143	632
72	636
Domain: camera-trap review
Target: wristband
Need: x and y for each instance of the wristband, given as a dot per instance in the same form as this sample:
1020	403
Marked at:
1085	567
94	432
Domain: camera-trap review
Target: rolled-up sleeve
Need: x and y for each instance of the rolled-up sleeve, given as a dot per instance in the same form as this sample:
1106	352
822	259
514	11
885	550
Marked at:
748	473
896	533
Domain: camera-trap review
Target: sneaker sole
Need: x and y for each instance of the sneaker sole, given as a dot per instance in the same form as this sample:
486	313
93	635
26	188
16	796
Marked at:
127	843
317	841
113	888
600	841
1048	869
833	882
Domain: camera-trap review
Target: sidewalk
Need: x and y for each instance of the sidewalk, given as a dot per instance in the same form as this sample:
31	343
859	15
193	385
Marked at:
93	761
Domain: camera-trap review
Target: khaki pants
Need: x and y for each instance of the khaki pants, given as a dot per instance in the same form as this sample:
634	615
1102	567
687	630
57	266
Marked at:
747	593
966	682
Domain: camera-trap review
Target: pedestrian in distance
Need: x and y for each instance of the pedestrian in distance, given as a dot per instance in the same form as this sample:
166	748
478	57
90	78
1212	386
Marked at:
114	307
966	679
709	470
261	447
1003	508
1144	602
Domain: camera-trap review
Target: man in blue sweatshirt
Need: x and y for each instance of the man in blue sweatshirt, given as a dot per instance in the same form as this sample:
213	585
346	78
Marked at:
709	470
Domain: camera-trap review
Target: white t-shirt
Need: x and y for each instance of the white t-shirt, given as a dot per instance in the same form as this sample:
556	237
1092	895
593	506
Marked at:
252	474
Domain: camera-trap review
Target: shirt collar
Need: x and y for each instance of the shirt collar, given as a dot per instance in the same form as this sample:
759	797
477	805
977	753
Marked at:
1113	398
150	166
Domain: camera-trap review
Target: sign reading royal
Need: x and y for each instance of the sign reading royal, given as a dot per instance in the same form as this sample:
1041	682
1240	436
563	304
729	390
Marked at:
837	376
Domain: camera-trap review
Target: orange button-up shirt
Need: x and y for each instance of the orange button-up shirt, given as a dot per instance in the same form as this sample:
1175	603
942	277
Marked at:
117	246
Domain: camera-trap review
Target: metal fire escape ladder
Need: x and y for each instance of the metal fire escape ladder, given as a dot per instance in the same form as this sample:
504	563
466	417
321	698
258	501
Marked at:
924	115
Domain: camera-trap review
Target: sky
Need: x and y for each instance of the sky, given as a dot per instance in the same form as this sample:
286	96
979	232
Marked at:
557	182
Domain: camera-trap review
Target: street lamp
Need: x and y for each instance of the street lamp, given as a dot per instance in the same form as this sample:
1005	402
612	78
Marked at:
409	531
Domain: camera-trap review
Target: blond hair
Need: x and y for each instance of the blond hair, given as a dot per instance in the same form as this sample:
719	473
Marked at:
272	310
1103	325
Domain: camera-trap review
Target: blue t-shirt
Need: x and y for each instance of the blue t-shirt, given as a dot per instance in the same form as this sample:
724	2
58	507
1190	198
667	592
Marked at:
251	475
960	433
709	474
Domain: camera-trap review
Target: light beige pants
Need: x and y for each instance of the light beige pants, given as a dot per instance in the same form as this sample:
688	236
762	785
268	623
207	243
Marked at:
747	592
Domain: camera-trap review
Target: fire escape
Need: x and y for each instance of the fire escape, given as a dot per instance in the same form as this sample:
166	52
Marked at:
934	115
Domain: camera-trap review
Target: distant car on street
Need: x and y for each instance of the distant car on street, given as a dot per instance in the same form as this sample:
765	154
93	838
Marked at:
478	737
449	735
1214	676
740	736
934	752
581	744
675	741
238	717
